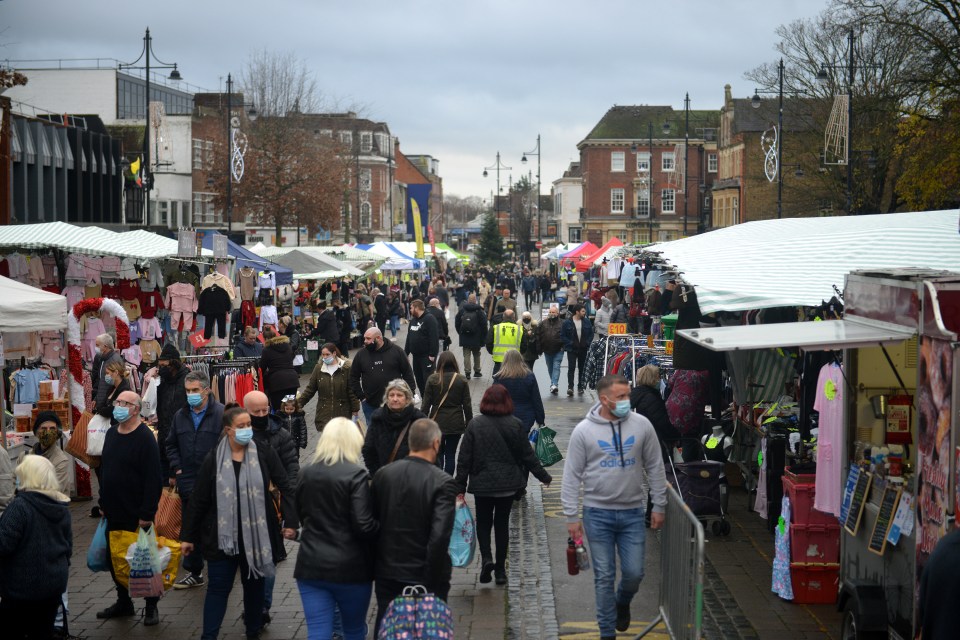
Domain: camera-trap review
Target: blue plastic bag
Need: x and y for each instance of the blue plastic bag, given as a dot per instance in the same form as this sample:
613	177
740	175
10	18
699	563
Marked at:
98	555
463	542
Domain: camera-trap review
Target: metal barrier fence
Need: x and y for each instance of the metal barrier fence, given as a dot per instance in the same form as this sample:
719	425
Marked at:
681	572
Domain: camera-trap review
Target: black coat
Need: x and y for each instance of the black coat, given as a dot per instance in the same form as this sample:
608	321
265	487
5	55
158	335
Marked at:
414	501
548	335
382	435
648	402
327	330
188	447
97	371
200	519
276	362
281	441
171	397
442	325
380	308
495	455
337	524
372	370
214	301
423	336
36	543
478	338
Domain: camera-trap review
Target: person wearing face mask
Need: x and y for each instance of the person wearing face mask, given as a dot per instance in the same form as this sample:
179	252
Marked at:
49	431
171	397
194	434
232	520
608	454
550	342
269	432
330	382
379	362
116	380
131	489
105	355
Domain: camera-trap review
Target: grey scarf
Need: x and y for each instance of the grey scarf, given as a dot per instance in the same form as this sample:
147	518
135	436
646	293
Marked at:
253	510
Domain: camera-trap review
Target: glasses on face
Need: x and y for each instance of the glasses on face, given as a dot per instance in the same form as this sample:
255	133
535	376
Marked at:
124	403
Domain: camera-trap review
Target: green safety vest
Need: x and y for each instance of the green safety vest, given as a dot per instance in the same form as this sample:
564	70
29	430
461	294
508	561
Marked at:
506	336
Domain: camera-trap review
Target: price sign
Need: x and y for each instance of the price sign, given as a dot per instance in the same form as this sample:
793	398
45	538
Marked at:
888	506
616	328
858	497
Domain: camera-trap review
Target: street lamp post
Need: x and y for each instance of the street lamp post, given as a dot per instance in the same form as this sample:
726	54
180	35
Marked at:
497	166
755	103
523	160
174	75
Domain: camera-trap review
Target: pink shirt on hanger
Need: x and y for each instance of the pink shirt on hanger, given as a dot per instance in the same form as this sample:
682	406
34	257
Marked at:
829	403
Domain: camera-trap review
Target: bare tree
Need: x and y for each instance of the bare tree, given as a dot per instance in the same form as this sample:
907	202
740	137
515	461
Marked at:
280	83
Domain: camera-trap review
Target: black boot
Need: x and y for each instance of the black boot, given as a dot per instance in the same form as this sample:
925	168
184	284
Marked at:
500	576
119	609
151	616
486	569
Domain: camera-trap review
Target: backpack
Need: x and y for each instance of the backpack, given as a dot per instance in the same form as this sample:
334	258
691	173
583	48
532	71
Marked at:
470	323
416	614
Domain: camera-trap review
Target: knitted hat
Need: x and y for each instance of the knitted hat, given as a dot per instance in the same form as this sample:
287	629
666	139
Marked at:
169	352
46	416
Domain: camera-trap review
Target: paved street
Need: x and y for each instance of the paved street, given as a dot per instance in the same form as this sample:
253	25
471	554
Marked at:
541	600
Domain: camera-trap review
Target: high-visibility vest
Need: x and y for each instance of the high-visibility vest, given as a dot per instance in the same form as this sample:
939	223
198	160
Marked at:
506	336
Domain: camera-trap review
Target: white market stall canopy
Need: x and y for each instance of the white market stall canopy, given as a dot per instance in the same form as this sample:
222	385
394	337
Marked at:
798	261
396	260
24	308
334	259
92	240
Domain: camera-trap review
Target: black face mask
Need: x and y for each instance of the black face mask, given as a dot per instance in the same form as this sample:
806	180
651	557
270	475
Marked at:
260	422
166	372
371	347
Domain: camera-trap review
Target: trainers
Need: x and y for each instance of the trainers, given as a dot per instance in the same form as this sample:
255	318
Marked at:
500	577
192	580
486	572
151	617
266	617
119	609
554	389
623	617
476	374
466	375
569	392
580	391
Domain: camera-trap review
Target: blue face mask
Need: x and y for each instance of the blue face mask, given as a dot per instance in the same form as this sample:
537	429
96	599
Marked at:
194	399
108	379
622	408
243	436
329	360
121	414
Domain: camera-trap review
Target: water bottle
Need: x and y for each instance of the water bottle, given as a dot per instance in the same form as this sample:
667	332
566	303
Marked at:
573	567
583	560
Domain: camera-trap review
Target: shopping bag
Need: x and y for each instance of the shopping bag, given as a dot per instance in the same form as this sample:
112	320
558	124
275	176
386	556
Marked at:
197	339
98	555
169	551
77	444
119	542
169	514
96	433
546	448
463	542
416	614
143	557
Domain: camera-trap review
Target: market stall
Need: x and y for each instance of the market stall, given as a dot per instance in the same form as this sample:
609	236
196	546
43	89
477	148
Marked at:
591	260
366	261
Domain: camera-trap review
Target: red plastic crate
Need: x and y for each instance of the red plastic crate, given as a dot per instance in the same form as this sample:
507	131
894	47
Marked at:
815	583
815	543
801	504
800	478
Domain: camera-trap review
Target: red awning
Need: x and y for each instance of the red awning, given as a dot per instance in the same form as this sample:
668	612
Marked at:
573	257
587	262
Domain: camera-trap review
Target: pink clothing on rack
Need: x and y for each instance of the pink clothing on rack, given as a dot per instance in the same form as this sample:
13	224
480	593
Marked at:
110	267
51	348
49	270
149	328
181	296
92	267
18	267
94	328
35	275
829	402
75	268
132	355
74	294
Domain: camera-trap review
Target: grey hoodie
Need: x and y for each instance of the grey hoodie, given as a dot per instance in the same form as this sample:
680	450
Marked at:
611	474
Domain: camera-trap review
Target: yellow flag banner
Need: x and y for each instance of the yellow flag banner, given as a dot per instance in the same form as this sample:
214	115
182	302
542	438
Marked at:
417	228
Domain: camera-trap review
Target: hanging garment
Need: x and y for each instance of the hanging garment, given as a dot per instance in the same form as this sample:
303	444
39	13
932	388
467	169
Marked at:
149	351
688	400
782	584
92	291
150	303
129	289
268	315
92	268
266	280
51	348
132	307
218	280
35	274
829	402
128	270
75	268
110	267
18	267
154	278
88	347
73	294
247	278
760	504
215	305
28	385
149	328
110	289
181	300
248	314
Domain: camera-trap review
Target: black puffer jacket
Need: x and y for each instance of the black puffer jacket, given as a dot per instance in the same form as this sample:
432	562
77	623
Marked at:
337	523
36	544
280	440
496	456
276	361
327	330
648	402
479	336
385	428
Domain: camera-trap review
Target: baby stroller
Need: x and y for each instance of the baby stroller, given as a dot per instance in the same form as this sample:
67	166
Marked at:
698	483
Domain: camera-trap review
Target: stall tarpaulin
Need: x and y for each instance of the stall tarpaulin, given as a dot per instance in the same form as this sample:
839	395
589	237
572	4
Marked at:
364	260
557	252
571	258
303	263
90	240
26	308
589	261
396	259
246	258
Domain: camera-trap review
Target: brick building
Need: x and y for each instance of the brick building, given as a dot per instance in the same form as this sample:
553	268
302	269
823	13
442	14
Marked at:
417	178
638	183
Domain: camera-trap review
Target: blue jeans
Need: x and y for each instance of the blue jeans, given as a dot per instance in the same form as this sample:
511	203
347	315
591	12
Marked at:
268	584
368	410
220	577
553	366
321	598
613	532
394	325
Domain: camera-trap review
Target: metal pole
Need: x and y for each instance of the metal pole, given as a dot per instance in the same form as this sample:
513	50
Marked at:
539	207
147	175
650	183
229	154
356	142
850	80
780	147
686	146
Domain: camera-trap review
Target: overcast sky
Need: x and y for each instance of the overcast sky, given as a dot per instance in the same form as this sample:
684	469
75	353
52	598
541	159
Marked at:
453	79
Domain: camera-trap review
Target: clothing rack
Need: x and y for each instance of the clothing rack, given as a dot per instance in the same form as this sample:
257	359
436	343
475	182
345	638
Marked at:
634	345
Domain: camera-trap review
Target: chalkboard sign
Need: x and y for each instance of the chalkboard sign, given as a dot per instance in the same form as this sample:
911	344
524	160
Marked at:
888	505
852	478
857	499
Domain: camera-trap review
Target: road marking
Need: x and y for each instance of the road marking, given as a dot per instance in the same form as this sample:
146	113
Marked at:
590	630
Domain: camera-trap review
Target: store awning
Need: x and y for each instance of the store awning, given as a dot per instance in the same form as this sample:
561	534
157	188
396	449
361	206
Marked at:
799	261
90	240
24	308
152	245
245	258
828	335
304	265
583	249
590	259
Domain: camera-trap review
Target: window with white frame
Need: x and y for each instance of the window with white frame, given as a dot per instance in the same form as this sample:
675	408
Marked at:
616	161
208	154
616	200
711	163
707	199
574	234
366	180
623	236
366	142
198	154
668	161
163	207
365	219
643	203
643	161
346	137
668	201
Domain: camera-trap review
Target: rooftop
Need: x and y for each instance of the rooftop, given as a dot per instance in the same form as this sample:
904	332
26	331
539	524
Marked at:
631	123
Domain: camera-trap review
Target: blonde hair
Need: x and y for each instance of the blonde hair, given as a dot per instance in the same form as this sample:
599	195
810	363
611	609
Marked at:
119	368
648	375
36	473
340	440
513	366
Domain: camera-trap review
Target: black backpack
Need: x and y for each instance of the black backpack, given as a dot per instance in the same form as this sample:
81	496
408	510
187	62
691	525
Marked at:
470	323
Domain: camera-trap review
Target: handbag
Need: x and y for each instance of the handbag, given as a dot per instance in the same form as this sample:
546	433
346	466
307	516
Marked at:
297	360
97	429
169	516
416	613
143	558
77	444
440	404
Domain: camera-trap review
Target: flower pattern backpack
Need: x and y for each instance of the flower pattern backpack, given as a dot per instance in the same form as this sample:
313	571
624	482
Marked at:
416	614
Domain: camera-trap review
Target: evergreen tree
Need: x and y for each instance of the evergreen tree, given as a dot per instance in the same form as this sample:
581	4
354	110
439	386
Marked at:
490	251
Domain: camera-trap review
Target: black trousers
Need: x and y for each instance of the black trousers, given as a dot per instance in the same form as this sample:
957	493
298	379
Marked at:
386	590
220	319
28	619
276	396
422	368
576	361
494	512
528	298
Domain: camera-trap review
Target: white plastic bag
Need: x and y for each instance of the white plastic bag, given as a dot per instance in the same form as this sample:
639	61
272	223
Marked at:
148	405
297	360
96	433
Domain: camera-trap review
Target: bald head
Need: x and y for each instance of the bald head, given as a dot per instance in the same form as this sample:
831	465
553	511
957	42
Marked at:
509	316
131	401
256	403
373	336
434	302
472	298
